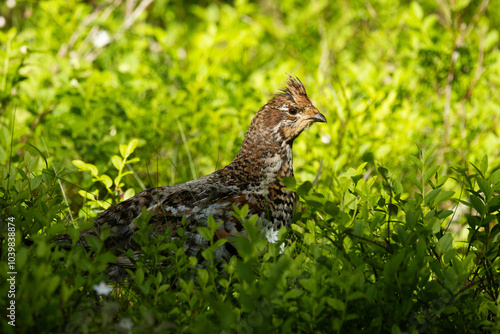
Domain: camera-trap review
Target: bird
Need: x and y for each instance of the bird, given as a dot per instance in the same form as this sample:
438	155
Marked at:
253	178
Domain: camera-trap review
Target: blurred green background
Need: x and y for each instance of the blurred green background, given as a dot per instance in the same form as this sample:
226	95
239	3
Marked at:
78	78
408	249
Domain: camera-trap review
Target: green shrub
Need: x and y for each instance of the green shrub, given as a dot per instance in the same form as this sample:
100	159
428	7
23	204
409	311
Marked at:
364	257
408	247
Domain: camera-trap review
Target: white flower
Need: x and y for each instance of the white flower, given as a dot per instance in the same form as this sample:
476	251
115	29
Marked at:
126	324
102	288
23	49
3	21
11	3
181	53
325	139
272	236
282	248
124	67
101	38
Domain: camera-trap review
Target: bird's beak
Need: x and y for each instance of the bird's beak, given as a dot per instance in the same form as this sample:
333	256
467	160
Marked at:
318	118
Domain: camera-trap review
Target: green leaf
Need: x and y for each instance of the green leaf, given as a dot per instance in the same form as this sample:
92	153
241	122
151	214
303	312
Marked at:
445	213
139	276
309	284
356	295
430	173
478	169
205	233
417	162
106	257
130	192
35	182
219	243
93	242
444	244
91	196
106	180
461	4
336	304
361	168
131	147
392	266
444	196
103	204
289	182
207	254
33	164
417	10
292	294
117	162
212	225
304	188
413	180
203	276
126	150
427	154
397	187
123	150
495	177
383	171
224	283
131	161
412	218
431	195
395	329
73	233
491	39
82	166
484	164
477	204
162	288
350	200
484	186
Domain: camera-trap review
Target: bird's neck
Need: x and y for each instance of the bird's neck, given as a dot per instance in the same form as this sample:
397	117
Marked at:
269	160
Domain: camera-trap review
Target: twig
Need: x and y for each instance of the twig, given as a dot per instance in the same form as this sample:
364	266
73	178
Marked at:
318	174
389	209
325	50
143	187
480	11
130	5
472	85
135	14
459	40
38	119
186	146
449	82
129	21
370	241
5	67
59	181
63	51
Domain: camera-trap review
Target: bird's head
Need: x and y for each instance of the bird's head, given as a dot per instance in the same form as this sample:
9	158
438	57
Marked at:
289	112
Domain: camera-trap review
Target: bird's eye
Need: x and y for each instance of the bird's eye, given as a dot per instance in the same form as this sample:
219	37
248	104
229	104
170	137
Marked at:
293	111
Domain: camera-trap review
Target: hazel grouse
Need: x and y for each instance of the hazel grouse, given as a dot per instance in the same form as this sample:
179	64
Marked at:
252	178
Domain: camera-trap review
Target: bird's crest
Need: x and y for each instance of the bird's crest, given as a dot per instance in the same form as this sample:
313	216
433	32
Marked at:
294	90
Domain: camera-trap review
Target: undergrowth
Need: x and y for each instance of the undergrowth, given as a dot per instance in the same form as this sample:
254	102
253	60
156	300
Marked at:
397	243
366	255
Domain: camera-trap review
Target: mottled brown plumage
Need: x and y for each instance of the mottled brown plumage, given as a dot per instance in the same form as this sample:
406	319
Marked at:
251	178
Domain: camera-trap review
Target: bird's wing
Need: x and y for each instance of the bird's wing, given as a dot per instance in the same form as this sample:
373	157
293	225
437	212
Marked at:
195	200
